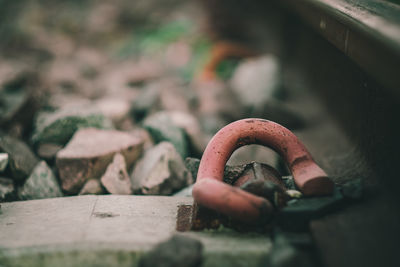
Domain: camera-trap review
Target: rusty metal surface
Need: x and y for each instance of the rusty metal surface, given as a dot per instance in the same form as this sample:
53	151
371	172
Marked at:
184	218
211	192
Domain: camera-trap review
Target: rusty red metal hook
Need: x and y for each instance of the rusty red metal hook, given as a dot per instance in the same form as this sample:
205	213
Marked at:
211	192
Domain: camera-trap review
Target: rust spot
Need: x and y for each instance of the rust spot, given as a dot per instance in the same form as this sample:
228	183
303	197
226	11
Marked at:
184	218
204	218
244	141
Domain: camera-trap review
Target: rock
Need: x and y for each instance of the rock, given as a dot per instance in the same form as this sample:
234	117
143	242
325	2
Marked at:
231	173
267	190
263	180
262	172
19	100
6	188
59	126
115	109
172	96
90	151
141	71
48	151
255	81
116	179
179	251
67	101
63	75
41	184
161	171
178	54
92	187
192	164
216	106
164	94
143	135
3	161
12	100
294	193
21	160
191	126
162	128
102	19
216	100
129	74
145	103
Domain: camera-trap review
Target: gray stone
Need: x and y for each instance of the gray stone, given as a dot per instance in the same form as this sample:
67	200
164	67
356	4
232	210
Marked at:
116	179
3	161
192	164
294	193
21	158
133	73
146	102
216	101
189	123
19	98
231	173
41	184
263	172
162	128
48	151
115	109
92	187
58	127
67	100
90	151
178	54
161	171
6	188
172	96
179	251
255	81
266	189
143	135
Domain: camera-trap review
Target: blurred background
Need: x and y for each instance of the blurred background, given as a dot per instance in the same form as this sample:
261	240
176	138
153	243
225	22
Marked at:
178	71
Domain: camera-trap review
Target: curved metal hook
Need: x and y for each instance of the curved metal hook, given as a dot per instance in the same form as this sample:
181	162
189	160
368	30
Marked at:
211	192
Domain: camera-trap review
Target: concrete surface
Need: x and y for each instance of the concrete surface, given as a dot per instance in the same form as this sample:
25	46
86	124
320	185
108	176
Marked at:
109	230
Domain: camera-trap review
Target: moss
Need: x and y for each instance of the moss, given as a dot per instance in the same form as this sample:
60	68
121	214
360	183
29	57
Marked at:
58	128
72	258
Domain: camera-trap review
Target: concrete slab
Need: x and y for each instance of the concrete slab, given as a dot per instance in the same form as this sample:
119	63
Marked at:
109	230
